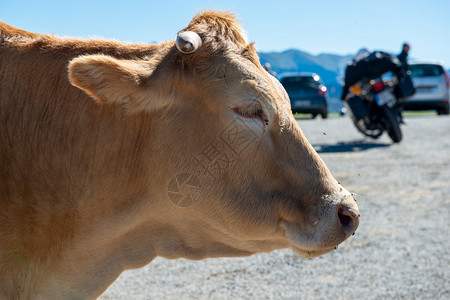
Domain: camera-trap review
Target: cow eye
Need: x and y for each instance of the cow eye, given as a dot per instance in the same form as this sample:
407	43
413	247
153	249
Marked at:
253	111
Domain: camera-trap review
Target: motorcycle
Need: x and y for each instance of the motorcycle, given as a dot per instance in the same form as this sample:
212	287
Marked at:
375	109
375	103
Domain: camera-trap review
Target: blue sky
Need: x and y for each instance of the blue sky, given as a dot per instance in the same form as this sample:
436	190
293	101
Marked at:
318	26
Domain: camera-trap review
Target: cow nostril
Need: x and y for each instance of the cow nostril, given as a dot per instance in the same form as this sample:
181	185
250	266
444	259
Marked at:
346	221
348	217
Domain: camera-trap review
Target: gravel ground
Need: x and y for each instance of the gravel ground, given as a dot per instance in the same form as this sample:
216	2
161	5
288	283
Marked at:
400	250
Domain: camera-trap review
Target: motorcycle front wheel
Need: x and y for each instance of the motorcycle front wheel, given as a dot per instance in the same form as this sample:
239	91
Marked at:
392	124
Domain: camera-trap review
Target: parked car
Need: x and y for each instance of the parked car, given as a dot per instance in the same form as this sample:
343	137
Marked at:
432	83
307	93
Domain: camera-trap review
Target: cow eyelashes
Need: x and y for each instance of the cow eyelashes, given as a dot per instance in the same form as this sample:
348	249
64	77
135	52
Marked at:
251	112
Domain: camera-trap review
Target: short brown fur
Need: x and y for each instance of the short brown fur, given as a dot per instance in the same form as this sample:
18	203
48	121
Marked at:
84	184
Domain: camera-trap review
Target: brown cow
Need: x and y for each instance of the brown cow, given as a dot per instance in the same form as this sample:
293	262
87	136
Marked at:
189	150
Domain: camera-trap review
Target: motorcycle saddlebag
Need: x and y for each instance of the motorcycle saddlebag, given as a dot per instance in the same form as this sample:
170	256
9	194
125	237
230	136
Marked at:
357	107
406	87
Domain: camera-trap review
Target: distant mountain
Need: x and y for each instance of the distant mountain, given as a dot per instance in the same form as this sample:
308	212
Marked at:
327	66
330	67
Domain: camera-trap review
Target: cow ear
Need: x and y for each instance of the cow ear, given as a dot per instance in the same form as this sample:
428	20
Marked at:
107	79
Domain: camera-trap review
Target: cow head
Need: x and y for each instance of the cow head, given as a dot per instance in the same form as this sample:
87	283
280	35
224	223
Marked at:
231	172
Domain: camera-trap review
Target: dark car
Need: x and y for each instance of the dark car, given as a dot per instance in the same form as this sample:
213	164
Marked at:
432	87
307	93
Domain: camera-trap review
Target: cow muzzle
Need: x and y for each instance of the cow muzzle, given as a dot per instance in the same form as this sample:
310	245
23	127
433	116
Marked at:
336	220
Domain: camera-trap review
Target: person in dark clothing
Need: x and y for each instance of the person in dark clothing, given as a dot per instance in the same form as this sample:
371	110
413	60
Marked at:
403	56
406	87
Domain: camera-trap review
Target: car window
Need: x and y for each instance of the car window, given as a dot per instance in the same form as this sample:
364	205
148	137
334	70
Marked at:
426	70
300	81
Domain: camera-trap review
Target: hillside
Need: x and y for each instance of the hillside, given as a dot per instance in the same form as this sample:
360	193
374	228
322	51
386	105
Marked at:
329	67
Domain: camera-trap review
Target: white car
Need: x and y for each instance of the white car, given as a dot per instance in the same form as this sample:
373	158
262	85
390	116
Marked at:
432	82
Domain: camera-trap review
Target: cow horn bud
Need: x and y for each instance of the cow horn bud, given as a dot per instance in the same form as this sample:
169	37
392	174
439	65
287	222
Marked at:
188	42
